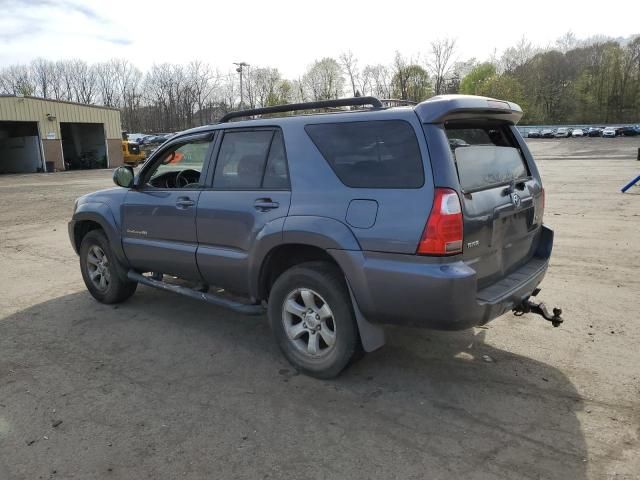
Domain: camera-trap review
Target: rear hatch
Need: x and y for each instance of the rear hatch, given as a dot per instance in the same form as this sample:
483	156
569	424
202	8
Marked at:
501	195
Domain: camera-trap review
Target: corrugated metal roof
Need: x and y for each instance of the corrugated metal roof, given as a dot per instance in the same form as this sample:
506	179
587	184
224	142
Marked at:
34	109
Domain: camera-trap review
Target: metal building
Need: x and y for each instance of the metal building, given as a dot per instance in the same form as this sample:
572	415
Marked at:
41	135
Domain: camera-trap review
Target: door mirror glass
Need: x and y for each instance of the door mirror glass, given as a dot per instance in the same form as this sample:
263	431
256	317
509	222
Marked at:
123	176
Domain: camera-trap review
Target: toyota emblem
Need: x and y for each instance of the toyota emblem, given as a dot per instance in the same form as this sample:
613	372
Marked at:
515	198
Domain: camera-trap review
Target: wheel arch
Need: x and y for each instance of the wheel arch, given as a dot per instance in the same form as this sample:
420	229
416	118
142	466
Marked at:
92	216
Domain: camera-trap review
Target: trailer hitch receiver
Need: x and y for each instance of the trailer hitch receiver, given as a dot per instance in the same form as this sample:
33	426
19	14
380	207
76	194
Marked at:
529	306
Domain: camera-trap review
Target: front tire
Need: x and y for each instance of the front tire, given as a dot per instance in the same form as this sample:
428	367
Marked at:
104	277
312	319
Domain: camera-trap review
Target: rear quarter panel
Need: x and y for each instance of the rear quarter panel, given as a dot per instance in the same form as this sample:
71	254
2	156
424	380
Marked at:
316	190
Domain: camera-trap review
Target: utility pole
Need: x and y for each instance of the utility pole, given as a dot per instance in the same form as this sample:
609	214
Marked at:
240	70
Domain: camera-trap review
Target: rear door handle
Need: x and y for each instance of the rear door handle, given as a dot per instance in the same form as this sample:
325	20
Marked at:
184	202
264	204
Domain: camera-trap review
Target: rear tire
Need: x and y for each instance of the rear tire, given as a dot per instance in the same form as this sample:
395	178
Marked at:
312	319
103	275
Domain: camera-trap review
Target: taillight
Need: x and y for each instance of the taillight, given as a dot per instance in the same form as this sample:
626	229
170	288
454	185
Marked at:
443	232
543	199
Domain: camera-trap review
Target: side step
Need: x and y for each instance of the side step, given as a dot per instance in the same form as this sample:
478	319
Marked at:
245	308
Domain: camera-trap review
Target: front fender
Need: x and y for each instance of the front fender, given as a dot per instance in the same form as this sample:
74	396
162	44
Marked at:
102	215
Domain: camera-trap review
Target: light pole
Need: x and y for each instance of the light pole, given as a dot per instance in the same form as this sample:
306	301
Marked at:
240	70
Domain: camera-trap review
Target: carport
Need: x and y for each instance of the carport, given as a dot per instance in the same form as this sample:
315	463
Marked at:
20	148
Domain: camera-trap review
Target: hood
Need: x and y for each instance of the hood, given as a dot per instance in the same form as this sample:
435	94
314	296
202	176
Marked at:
110	196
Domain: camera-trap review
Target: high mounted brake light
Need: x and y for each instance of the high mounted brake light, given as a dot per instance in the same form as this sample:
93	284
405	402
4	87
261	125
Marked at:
442	234
498	104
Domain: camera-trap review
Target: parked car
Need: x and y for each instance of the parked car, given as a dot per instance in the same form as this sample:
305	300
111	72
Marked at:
563	132
547	133
594	132
609	132
307	217
630	131
577	132
533	134
135	137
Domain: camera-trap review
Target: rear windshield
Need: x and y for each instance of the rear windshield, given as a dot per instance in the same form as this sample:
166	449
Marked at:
377	154
485	155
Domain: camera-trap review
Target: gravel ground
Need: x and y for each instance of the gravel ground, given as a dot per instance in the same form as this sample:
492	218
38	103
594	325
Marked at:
166	387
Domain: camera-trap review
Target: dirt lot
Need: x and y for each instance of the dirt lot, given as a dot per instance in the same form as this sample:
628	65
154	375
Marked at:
166	387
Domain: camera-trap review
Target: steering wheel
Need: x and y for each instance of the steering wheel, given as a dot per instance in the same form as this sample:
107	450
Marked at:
182	179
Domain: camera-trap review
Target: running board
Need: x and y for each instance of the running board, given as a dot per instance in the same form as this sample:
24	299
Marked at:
245	308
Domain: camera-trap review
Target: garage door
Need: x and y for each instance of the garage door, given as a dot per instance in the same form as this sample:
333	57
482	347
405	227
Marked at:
19	147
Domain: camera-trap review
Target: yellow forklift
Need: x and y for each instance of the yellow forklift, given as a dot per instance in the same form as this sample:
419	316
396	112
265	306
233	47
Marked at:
131	152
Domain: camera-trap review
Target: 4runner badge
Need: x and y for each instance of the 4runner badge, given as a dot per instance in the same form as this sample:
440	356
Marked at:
475	243
515	198
136	232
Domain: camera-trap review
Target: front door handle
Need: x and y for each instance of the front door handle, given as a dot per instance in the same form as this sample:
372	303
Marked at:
264	204
184	202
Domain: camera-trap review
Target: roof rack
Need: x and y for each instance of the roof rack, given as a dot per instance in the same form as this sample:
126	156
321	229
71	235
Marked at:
397	102
293	107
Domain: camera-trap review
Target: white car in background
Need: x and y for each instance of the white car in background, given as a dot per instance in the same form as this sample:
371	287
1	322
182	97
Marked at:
563	132
609	132
577	132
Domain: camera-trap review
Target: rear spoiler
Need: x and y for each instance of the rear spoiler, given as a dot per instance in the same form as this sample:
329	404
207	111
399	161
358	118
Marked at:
464	107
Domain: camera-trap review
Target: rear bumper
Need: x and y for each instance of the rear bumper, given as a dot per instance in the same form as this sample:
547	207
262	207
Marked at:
414	291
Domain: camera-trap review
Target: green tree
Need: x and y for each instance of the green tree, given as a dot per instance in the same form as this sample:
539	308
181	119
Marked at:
472	82
504	87
412	83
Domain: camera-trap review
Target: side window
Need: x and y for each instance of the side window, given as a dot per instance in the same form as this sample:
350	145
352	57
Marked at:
276	175
241	159
180	166
251	160
378	154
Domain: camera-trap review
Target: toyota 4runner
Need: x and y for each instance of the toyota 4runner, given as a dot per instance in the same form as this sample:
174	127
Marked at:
427	215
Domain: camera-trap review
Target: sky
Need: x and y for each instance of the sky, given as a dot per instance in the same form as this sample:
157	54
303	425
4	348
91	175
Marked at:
290	35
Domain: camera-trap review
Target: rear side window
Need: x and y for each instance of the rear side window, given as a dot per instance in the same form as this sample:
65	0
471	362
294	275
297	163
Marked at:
379	154
485	155
276	175
251	160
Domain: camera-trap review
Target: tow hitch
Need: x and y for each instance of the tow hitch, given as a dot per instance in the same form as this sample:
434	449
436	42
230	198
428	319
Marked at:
528	306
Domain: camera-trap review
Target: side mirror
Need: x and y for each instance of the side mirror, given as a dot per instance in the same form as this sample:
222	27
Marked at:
123	176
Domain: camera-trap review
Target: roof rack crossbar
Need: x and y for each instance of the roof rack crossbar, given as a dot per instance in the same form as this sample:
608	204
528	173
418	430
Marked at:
293	107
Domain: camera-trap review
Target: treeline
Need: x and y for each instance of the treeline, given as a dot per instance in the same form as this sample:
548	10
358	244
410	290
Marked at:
591	81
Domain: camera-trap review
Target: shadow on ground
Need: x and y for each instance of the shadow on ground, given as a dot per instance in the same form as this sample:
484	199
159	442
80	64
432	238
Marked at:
165	387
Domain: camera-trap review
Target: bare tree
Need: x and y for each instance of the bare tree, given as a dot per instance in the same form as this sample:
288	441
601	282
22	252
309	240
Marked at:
516	56
349	63
230	92
566	42
376	80
83	81
261	84
106	84
17	80
440	62
43	74
203	80
324	79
